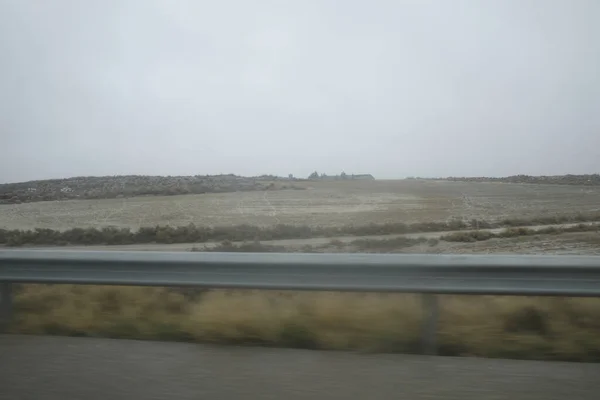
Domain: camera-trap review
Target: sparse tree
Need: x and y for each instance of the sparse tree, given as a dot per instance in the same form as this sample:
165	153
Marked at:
314	175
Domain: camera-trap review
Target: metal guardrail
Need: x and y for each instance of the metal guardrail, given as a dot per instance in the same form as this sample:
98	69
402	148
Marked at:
427	274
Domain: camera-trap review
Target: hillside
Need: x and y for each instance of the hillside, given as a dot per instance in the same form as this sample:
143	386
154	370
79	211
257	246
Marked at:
106	187
587	179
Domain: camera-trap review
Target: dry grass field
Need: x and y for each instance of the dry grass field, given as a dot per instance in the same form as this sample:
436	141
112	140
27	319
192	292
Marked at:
485	326
332	203
550	328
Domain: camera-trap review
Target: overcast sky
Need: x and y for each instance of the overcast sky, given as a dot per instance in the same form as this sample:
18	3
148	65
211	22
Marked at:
393	88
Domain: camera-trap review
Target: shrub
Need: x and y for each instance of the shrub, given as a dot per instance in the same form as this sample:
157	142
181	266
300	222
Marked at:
198	234
386	244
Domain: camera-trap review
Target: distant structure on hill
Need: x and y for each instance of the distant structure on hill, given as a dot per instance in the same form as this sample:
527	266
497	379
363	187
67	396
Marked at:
343	176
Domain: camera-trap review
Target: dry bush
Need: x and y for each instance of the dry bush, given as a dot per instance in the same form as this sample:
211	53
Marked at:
592	238
200	234
386	244
489	326
470	236
313	320
521	327
227	246
475	236
108	311
433	242
337	243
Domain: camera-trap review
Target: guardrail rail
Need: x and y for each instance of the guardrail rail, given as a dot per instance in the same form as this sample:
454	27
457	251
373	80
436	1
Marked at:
426	274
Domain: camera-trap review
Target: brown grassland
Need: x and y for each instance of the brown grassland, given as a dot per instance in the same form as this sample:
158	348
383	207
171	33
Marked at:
486	326
489	326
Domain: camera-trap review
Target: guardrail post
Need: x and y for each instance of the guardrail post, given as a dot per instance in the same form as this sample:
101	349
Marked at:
5	305
430	321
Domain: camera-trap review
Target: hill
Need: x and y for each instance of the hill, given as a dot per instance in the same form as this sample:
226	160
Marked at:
586	179
106	187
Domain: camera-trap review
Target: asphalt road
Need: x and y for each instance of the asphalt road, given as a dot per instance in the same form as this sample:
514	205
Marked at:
49	368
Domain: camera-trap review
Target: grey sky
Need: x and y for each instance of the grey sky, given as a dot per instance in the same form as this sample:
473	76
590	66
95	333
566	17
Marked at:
393	88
